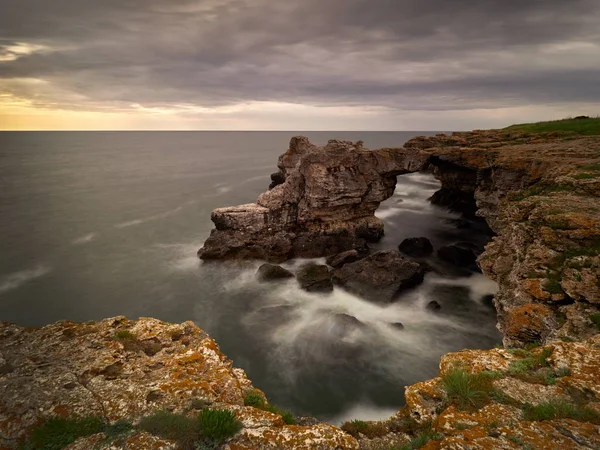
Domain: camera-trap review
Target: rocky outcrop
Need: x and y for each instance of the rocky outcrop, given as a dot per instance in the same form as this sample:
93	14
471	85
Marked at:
379	277
315	278
418	247
543	398
272	272
120	369
539	193
322	202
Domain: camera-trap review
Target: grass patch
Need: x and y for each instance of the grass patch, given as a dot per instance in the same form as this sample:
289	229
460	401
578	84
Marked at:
584	176
369	429
593	167
467	390
560	409
255	399
422	439
124	334
595	318
216	425
58	432
176	427
530	363
586	127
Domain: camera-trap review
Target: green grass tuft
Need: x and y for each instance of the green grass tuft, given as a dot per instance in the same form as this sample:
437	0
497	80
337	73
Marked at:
254	398
596	319
530	363
587	127
560	409
124	334
287	416
216	425
58	432
171	426
467	390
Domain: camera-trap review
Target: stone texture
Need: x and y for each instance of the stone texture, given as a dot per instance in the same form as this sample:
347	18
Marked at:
321	202
337	261
70	369
315	278
379	277
418	247
272	272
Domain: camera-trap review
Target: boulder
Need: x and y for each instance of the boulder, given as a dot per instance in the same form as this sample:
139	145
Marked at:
457	254
418	247
433	306
272	272
379	277
397	325
340	259
315	278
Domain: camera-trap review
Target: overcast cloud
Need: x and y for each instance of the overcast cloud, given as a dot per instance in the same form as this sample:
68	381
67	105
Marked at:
328	64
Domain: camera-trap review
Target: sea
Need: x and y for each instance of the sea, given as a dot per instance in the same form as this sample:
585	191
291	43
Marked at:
100	224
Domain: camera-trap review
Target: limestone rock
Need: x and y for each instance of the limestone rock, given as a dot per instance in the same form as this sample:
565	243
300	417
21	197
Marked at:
337	261
321	202
315	278
379	277
70	369
418	247
272	272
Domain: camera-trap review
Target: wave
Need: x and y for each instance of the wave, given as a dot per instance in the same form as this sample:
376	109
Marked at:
17	279
142	220
85	239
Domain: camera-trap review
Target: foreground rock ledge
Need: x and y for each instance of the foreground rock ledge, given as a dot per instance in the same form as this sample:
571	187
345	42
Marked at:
123	369
69	369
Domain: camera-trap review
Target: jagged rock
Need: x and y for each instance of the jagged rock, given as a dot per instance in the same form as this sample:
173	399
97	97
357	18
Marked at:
61	370
418	247
433	306
272	272
457	255
315	278
379	277
337	261
344	324
322	202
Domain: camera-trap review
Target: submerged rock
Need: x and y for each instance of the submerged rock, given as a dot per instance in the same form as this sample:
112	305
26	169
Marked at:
418	247
379	277
337	261
433	306
458	255
272	272
315	278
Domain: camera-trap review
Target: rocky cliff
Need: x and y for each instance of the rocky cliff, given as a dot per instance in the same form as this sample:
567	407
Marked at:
538	193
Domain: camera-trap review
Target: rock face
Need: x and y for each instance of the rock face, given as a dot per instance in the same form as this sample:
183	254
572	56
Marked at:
337	261
272	272
539	193
505	417
379	277
322	202
418	247
315	278
122	369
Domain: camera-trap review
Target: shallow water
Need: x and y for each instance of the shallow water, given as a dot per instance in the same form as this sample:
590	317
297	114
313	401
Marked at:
101	224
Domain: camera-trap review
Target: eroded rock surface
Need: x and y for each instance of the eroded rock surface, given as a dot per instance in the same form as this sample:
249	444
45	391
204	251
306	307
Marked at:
322	202
125	369
379	277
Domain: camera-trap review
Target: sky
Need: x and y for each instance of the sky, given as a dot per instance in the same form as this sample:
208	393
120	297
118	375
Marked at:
296	64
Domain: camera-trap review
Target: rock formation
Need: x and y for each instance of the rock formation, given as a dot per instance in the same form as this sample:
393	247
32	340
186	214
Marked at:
538	193
322	202
120	369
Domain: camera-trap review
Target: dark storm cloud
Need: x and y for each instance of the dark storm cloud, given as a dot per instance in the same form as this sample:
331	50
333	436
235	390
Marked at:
409	54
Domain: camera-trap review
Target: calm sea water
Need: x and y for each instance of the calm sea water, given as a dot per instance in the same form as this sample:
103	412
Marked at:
98	224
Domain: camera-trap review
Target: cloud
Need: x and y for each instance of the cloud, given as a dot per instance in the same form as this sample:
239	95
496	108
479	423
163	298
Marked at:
193	57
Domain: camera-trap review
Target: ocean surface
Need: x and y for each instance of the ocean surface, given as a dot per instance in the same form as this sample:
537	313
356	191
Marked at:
99	224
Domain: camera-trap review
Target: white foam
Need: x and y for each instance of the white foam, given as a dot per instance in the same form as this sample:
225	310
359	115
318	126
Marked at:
17	279
182	257
132	223
363	411
85	239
